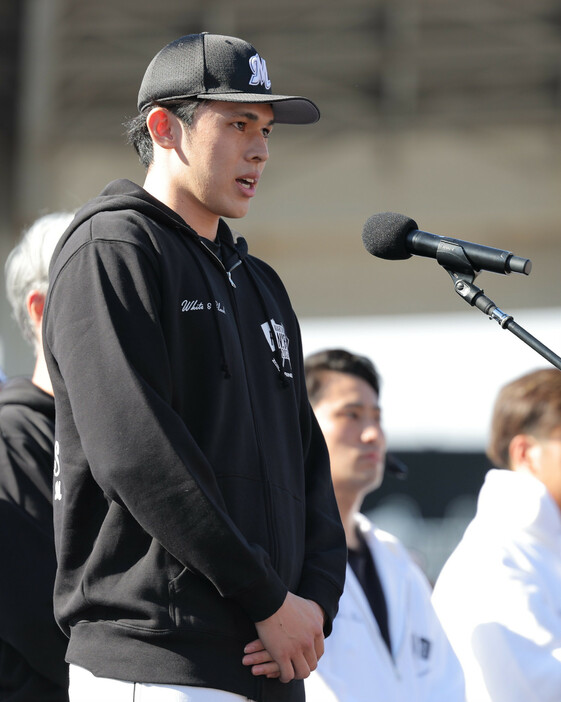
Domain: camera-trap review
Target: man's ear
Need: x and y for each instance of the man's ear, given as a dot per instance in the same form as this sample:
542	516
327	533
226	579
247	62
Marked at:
164	128
523	451
35	305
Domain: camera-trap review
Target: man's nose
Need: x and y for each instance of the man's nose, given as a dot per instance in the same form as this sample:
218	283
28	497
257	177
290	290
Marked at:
259	150
371	432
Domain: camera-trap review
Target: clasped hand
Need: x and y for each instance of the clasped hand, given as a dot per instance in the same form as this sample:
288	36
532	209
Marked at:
290	641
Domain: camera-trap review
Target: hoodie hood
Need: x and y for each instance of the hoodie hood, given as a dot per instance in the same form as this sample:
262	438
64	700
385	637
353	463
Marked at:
123	194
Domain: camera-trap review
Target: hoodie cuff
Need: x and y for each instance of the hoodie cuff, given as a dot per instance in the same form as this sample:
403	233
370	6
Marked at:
326	594
263	599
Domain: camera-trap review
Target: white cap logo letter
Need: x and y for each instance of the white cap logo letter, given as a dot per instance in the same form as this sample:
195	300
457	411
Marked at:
259	71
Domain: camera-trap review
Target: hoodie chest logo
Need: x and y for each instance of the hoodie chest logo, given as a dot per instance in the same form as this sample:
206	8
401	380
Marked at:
200	306
279	343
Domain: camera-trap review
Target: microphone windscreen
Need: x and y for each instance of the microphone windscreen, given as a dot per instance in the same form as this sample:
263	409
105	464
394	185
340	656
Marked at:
385	235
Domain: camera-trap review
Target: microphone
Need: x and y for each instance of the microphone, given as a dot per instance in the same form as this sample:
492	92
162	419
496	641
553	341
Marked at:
396	237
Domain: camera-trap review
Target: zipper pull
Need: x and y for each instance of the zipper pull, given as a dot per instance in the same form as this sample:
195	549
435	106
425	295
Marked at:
229	273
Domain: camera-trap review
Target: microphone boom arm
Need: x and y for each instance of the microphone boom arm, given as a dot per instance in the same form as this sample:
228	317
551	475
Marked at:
463	276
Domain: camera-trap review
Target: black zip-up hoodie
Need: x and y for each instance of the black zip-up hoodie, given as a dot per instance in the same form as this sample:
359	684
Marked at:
32	647
192	484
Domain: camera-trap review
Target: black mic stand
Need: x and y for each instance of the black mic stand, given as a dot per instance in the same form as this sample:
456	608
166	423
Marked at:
453	259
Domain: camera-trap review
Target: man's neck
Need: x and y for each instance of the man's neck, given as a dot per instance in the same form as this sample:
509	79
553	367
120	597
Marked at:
204	223
348	509
40	376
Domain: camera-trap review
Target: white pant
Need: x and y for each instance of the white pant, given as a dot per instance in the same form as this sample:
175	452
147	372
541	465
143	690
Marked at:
86	687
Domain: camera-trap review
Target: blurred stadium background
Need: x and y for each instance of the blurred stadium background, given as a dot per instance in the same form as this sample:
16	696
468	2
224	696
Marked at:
447	111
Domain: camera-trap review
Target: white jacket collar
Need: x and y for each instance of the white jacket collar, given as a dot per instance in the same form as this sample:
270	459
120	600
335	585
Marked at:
518	502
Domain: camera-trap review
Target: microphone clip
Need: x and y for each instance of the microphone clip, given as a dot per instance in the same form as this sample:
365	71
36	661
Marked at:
464	286
451	256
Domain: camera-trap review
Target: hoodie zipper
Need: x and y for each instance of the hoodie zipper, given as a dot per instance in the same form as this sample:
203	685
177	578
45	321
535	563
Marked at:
263	470
228	272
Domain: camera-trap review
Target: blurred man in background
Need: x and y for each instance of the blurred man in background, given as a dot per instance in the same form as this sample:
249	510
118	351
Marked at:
499	594
32	647
387	643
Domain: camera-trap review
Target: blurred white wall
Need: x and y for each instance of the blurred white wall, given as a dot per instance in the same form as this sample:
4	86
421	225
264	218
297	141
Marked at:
440	372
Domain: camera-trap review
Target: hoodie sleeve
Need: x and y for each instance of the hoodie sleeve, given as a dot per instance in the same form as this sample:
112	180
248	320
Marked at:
108	360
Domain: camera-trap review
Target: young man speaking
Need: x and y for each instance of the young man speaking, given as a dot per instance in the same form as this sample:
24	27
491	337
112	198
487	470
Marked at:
201	556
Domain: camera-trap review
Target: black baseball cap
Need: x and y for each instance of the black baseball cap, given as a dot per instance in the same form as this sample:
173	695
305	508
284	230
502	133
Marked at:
217	67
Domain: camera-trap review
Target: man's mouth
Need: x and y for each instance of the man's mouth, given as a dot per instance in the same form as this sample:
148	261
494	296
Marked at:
247	183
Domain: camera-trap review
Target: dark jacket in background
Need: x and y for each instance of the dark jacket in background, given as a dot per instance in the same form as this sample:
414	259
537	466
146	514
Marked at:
32	647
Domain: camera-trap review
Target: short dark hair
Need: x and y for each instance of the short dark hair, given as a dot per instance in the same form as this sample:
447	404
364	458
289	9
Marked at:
531	405
137	129
341	361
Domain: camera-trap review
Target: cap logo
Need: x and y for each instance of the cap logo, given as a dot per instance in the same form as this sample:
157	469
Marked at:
259	71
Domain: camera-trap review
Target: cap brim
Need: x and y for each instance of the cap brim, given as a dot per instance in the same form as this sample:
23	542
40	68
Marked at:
288	109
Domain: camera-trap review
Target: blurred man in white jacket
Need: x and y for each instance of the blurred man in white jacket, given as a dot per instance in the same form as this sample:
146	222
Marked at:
387	643
499	594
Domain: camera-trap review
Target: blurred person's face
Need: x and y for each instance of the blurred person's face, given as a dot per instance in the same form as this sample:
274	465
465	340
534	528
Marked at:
349	416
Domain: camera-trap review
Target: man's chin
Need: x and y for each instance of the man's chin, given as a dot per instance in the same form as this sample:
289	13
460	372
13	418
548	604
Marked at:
235	212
